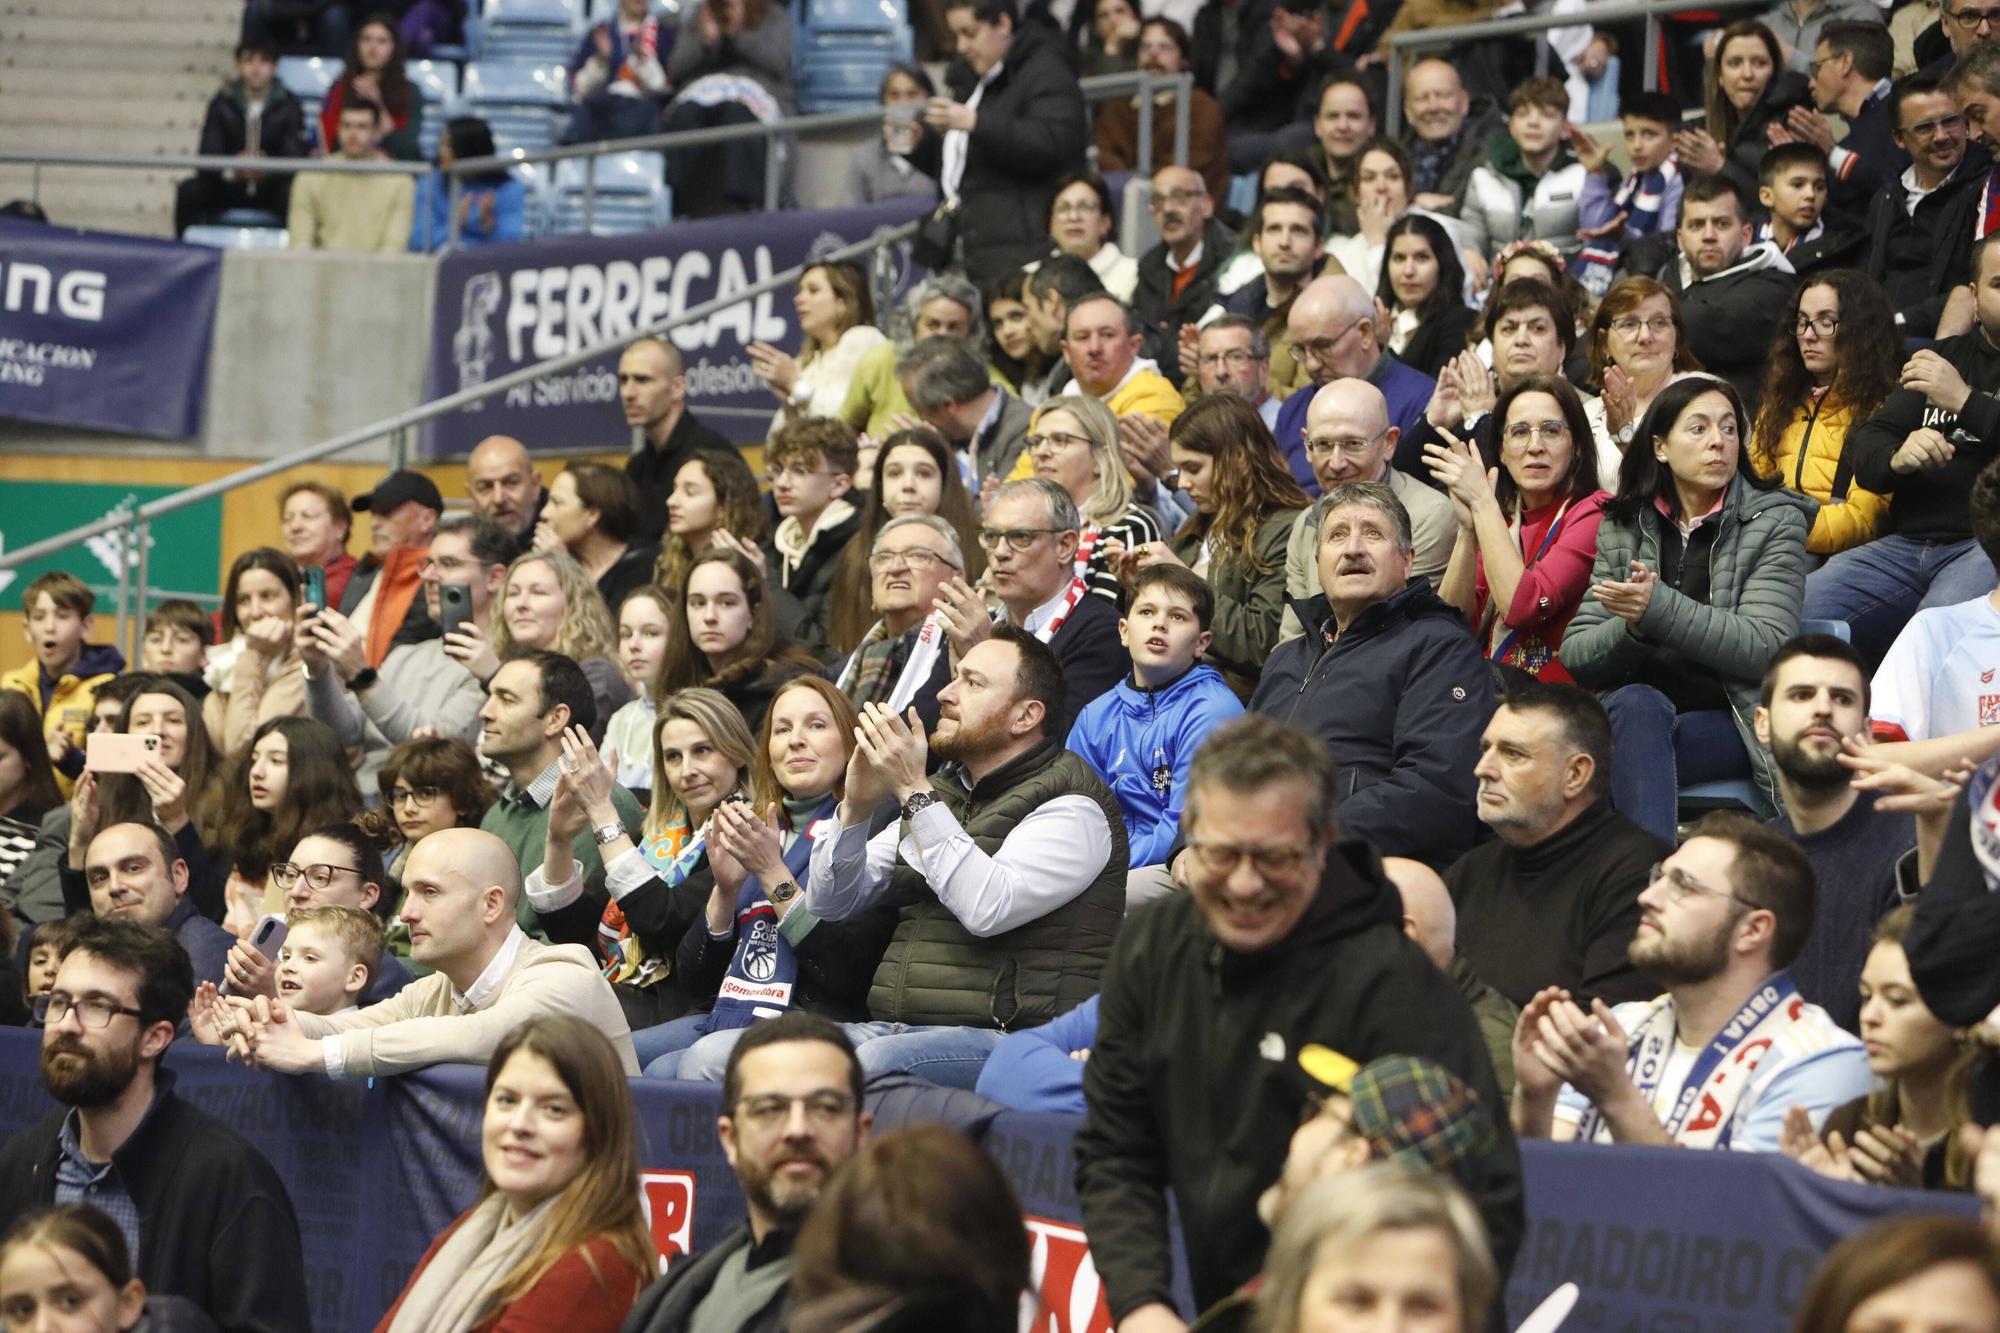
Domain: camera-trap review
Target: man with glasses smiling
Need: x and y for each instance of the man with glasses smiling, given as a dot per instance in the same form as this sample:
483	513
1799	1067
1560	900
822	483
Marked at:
1922	222
901	662
203	1214
1724	1056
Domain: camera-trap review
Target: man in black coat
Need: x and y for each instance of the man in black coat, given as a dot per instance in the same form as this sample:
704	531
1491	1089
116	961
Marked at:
791	1115
253	99
1732	293
1013	126
1286	953
1920	250
1177	276
652	387
205	1216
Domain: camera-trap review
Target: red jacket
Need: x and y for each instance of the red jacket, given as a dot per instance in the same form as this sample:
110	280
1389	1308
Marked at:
570	1298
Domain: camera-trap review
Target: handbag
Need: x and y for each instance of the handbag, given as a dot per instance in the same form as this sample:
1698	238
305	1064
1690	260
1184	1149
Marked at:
936	243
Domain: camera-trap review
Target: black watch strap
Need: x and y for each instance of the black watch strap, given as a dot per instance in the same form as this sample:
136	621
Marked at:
364	679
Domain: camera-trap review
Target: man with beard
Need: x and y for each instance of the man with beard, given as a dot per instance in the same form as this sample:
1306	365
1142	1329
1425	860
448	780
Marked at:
134	872
1008	864
501	483
1552	898
1719	1060
1286	235
203	1214
1816	695
791	1115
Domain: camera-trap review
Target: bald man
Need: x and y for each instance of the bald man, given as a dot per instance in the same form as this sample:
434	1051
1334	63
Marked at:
502	484
652	386
488	978
1446	133
1349	438
1431	922
1177	277
1332	328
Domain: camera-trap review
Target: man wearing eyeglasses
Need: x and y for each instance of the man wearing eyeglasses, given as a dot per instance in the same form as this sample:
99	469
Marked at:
203	1214
1177	276
1962	27
791	1116
1233	356
902	661
1285	954
1922	223
1722	1058
1849	77
134	872
1333	337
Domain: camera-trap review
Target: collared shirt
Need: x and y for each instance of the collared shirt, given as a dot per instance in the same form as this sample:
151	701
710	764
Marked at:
1182	266
958	143
539	792
80	1180
1915	193
1034	622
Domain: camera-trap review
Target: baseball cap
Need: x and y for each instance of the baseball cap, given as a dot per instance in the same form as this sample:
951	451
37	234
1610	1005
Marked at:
398	489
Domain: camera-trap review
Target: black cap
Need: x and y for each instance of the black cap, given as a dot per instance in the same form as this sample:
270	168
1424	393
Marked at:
398	489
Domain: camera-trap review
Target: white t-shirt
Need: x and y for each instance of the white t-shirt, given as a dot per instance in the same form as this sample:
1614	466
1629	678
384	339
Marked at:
1942	675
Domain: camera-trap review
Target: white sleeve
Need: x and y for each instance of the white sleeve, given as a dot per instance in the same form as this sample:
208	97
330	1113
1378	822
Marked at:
850	871
547	897
1900	692
1049	858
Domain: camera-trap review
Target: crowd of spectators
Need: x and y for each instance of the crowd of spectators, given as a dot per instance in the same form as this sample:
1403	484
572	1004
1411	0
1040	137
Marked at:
1280	671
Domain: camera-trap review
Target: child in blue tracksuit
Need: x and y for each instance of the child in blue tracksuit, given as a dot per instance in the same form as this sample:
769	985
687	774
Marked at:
1141	737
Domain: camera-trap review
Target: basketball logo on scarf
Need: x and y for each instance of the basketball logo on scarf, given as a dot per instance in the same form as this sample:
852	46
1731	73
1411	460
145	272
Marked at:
668	1197
1982	798
760	955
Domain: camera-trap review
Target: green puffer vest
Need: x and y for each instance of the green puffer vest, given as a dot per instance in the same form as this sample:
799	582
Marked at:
937	972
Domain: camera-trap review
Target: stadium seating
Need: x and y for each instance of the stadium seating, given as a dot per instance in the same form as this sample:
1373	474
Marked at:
522	102
223	237
436	81
530	30
310	78
843	48
631	195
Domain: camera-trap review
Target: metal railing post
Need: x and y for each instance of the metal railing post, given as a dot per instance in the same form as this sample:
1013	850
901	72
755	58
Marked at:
145	531
1146	121
1392	103
453	235
774	171
1650	76
120	539
590	196
399	448
1183	110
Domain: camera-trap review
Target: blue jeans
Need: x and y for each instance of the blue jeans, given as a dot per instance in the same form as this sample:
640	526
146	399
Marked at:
951	1056
1657	752
1877	587
667	1041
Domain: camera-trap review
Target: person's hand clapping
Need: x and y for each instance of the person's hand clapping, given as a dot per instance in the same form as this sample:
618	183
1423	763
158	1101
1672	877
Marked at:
1467	481
1828	1157
1621	399
279	1044
1536	1078
1698	153
1888	1155
1587	1049
897	748
83	817
1144	443
1628	598
1593	156
1476	391
753	841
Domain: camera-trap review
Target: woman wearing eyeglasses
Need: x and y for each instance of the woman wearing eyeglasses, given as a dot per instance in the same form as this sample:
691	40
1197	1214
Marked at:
1081	223
1527	530
1837	356
1637	343
1073	441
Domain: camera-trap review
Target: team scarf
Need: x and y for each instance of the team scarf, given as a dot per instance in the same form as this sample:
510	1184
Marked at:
763	972
1640	196
673	855
865	660
1704	1111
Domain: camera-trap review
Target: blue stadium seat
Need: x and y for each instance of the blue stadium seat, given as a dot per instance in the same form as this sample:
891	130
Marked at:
523	102
436	81
534	178
248	217
1741	793
540	30
239	238
631	189
310	78
844	47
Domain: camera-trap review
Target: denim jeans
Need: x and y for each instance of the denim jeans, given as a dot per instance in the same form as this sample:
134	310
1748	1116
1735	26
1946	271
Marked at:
1656	752
667	1041
951	1056
1877	587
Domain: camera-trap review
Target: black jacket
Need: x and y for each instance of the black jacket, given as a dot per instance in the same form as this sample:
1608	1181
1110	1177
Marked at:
810	581
1840	244
215	1223
1032	131
1931	503
1743	155
1253	23
1560	913
281	132
1153	299
653	470
1920	257
1440	338
1732	316
668	1305
1875	160
1192	1083
1400	699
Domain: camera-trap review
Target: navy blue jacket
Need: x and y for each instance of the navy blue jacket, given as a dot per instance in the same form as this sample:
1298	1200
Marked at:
1401	699
1407	390
1876	160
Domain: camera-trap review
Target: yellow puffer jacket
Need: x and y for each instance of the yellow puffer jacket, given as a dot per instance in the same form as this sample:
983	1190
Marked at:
74	696
1808	457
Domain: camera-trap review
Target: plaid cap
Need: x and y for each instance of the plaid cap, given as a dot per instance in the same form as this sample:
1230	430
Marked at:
1414	1111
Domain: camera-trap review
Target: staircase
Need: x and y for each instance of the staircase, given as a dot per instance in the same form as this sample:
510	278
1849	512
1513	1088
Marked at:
73	81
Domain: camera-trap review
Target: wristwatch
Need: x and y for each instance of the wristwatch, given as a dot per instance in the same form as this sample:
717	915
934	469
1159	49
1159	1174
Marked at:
782	892
918	800
1627	431
606	834
363	680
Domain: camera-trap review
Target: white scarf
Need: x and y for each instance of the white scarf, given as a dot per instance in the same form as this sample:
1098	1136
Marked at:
450	1291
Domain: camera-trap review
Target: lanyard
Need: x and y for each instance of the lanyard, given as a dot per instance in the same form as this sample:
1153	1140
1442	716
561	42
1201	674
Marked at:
1548	539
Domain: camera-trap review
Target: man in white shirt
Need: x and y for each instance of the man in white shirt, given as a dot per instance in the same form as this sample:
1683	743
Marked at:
1941	677
1008	864
1721	1058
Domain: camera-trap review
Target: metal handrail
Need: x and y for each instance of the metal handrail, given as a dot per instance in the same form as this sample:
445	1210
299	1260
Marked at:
1594	15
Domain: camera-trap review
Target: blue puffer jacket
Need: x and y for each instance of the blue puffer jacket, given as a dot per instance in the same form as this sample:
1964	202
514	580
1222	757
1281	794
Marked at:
1130	734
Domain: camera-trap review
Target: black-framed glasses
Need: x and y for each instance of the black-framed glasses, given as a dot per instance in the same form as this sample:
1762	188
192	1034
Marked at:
285	874
1055	439
919	558
1222	858
402	795
1972	18
768	1110
1018	539
93	1011
1823	325
1682	886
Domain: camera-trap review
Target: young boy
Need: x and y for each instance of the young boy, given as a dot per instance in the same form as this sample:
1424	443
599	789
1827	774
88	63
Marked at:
1616	212
1530	187
329	958
67	668
178	635
1794	190
45	949
1141	737
811	464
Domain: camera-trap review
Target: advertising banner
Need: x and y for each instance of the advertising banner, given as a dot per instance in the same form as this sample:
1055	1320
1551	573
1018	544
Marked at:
105	332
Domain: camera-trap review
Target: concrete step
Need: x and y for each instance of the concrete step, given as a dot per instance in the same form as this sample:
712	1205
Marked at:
47	138
45	79
197	11
21	112
153	33
208	60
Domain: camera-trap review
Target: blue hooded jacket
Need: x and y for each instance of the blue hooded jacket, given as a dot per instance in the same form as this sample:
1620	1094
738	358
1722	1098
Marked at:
1141	743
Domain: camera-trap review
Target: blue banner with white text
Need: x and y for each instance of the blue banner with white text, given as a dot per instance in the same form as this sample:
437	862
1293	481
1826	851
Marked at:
505	307
105	332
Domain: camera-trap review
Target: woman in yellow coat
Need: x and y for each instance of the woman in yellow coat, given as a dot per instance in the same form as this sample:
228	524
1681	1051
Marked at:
1837	355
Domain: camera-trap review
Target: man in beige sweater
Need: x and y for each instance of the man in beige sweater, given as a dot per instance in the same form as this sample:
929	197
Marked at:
489	978
352	210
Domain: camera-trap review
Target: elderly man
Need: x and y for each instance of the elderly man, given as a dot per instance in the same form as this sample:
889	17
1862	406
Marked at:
902	661
501	483
1552	898
652	387
944	306
1389	677
955	395
1447	134
135	872
1219	1004
1101	338
486	979
1031	534
1233	356
1349	439
403	512
1333	335
1177	277
1165	49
